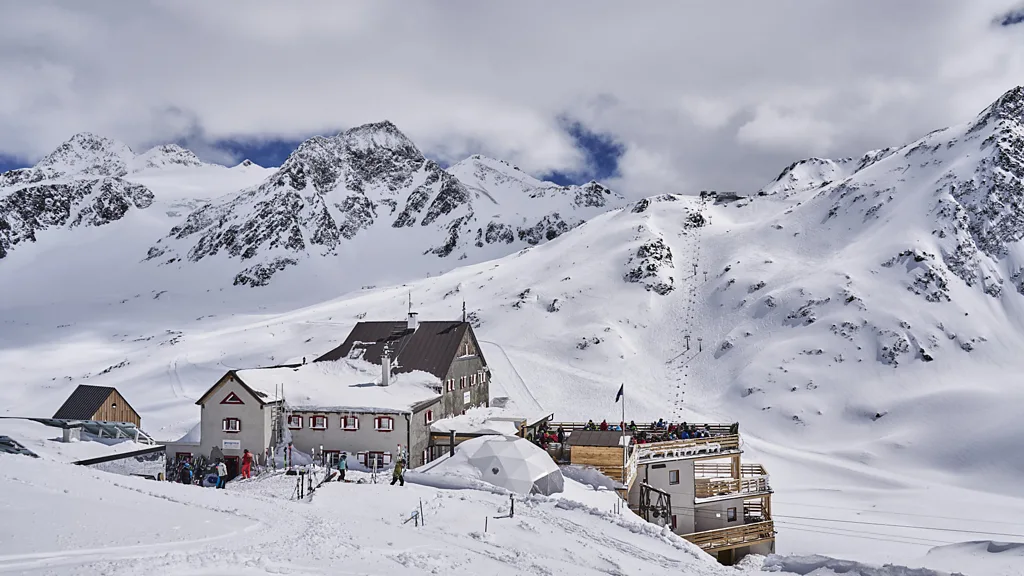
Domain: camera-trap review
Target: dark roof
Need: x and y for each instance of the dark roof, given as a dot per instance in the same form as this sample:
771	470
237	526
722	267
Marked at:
84	402
605	438
430	348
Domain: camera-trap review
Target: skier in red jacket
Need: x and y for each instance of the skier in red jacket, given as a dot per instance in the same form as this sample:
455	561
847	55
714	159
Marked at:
247	465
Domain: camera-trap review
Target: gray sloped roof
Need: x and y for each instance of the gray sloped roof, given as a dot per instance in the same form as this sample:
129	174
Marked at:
83	402
430	348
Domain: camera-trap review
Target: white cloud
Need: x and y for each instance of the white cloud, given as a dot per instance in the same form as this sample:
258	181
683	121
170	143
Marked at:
723	94
790	130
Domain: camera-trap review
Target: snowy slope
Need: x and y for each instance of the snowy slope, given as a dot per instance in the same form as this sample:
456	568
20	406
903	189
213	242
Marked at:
125	525
255	528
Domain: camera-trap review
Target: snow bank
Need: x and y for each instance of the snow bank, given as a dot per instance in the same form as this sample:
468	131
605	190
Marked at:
824	566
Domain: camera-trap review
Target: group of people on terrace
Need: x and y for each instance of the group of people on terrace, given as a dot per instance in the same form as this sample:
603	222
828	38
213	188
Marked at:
662	431
659	431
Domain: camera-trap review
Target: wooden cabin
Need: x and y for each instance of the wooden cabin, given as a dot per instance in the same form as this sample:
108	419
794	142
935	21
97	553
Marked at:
601	449
100	403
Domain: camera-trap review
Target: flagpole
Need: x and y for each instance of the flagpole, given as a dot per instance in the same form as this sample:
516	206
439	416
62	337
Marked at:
622	426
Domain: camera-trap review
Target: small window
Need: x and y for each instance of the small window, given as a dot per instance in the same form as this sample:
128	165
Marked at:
231	398
462	382
318	422
384	423
232	425
349	423
428	416
449	385
730	515
295	422
673	476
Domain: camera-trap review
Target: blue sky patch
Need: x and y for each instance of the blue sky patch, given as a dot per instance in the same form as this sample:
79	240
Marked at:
601	151
1012	17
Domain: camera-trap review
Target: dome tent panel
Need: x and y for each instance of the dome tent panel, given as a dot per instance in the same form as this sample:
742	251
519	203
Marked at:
509	462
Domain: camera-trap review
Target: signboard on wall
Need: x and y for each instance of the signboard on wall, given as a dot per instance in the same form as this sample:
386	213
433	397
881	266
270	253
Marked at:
231	444
466	398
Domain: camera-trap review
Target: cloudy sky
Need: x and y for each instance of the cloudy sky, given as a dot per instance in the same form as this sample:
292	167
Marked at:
647	96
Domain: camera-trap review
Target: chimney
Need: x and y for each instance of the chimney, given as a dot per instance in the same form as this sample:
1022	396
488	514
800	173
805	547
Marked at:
413	323
385	367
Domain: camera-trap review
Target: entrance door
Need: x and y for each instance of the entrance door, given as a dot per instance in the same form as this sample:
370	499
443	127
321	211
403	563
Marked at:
331	457
232	464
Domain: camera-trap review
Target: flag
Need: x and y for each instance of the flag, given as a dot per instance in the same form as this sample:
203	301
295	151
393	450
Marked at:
619	395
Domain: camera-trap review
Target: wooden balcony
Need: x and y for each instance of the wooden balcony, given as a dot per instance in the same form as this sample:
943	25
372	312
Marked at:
712	487
713	541
724	470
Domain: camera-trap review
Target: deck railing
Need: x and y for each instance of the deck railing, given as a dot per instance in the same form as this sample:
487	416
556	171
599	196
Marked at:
716	429
711	487
725	538
687	448
724	470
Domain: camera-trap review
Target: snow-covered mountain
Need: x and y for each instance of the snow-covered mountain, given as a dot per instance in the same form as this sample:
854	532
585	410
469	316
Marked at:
370	191
84	182
862	318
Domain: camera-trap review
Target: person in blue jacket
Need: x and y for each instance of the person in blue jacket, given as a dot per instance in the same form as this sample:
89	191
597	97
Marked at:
342	466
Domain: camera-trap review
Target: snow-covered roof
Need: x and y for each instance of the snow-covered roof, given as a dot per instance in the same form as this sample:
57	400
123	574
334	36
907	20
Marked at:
479	421
344	386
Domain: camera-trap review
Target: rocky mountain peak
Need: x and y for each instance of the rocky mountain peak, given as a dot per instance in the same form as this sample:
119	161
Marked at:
165	155
379	136
89	155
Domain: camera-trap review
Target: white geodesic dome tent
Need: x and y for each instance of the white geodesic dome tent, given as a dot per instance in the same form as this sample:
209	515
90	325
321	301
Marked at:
510	462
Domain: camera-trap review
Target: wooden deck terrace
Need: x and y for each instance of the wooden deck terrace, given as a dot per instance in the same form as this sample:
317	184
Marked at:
714	541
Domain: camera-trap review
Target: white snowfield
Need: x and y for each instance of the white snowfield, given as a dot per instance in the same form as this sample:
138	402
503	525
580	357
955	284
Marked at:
121	525
861	320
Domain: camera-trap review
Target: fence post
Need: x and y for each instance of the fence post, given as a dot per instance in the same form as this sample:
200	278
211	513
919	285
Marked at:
485	524
423	518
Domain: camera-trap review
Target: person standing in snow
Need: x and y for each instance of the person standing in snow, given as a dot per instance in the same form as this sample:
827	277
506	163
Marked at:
222	473
342	466
186	473
399	474
247	464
